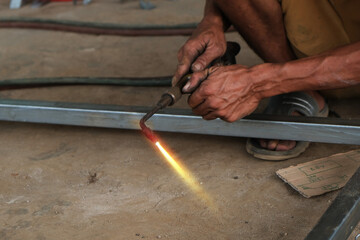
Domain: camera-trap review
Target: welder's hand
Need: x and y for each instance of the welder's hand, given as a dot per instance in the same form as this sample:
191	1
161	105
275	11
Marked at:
206	44
223	92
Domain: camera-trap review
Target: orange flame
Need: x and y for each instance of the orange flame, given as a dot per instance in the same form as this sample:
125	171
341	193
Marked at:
185	174
187	177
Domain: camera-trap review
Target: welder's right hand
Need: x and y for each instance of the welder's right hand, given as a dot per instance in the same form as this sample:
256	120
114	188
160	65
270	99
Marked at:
205	45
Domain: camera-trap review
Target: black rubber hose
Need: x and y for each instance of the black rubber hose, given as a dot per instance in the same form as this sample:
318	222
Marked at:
60	81
98	28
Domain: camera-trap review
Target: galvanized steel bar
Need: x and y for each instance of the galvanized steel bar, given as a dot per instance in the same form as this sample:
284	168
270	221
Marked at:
327	130
342	216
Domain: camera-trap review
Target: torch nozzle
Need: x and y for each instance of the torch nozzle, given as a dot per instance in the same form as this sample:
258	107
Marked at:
145	129
165	101
149	134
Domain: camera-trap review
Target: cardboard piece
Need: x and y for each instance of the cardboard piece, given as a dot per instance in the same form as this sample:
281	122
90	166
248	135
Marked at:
322	175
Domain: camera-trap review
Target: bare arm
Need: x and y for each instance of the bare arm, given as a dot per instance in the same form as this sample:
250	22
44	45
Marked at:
333	69
233	92
260	22
213	14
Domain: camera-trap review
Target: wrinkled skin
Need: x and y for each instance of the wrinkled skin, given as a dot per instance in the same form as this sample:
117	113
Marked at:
221	94
206	44
233	92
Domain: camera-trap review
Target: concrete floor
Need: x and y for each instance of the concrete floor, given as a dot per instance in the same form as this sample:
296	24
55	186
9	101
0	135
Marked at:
47	188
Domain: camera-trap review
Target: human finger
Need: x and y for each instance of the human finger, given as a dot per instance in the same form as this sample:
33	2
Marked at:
209	105
195	99
210	116
206	58
197	78
218	113
187	54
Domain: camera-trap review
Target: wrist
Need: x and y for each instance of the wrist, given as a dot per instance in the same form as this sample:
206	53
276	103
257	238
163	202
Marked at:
213	16
271	79
266	80
213	23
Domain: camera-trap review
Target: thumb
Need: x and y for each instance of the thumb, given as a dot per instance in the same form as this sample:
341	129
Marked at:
197	78
205	59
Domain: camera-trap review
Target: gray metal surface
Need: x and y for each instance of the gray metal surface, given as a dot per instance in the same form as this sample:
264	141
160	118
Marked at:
342	216
177	120
14	4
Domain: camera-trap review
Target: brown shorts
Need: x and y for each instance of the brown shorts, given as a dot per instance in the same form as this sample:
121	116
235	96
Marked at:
316	26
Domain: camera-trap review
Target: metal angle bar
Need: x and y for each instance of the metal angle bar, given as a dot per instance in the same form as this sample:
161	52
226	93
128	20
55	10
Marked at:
342	216
327	130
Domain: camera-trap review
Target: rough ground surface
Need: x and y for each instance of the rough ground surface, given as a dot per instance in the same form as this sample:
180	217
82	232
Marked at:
60	182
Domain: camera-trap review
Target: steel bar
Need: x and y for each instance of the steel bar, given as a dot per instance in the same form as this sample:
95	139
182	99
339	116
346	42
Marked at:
342	216
329	130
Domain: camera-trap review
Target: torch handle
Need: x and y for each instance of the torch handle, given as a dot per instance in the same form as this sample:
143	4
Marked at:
228	58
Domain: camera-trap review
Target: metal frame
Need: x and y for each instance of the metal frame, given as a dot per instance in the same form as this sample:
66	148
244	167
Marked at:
329	130
337	222
342	216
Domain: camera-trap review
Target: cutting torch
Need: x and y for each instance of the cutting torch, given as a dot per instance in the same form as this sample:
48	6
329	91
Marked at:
172	95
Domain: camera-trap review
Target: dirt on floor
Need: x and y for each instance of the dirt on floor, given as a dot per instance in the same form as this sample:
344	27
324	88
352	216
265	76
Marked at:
63	182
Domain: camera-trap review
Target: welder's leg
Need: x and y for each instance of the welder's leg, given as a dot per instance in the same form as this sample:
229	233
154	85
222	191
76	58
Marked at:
260	23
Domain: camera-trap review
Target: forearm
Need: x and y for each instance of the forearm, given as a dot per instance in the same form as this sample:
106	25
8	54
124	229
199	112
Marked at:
334	69
213	15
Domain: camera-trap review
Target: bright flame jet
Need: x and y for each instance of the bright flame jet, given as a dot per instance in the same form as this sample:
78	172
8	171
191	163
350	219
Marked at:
187	177
184	173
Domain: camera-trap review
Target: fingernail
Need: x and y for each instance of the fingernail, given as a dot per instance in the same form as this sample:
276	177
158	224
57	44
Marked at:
173	81
196	67
186	87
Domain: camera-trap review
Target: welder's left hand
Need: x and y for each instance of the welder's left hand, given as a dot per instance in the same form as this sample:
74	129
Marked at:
225	92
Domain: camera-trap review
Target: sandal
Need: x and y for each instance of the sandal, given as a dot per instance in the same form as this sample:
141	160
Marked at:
286	104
